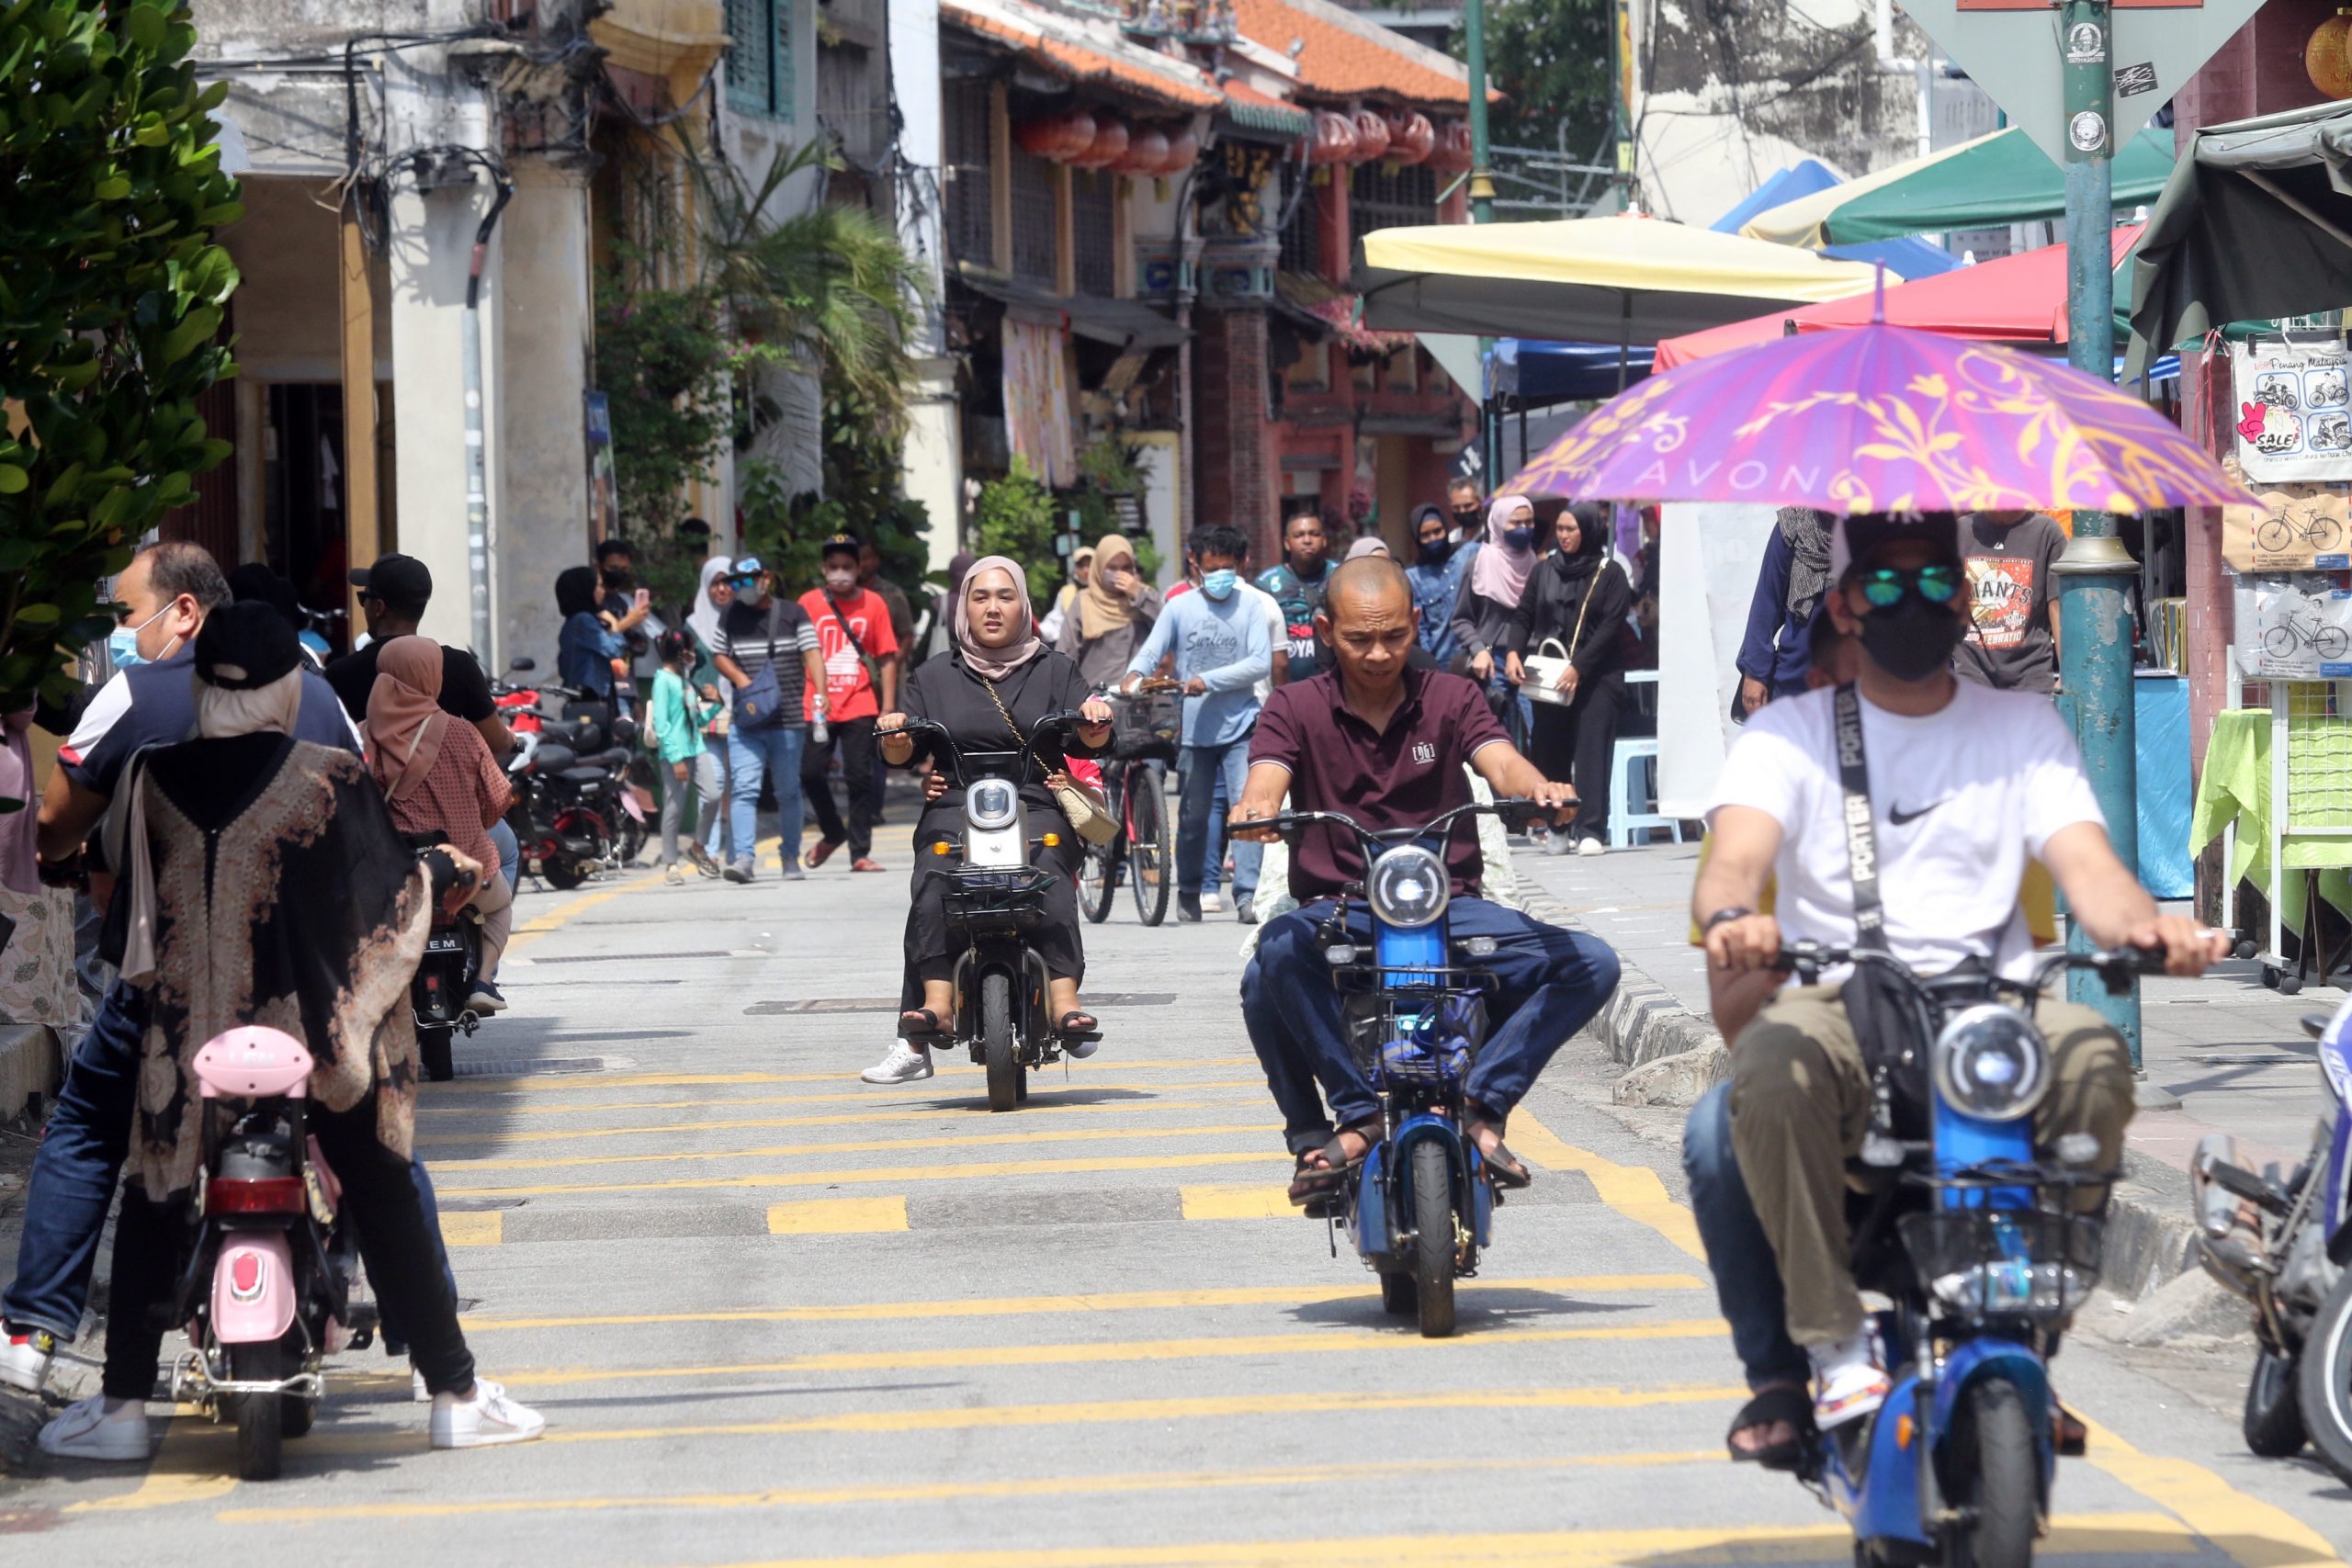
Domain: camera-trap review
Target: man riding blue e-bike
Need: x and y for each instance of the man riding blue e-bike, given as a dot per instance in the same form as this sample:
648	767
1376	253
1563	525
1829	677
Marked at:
1386	746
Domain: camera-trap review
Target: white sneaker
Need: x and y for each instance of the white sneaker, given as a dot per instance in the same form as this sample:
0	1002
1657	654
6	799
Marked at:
1847	1381
1211	904
24	1359
903	1065
488	1418
89	1430
1591	847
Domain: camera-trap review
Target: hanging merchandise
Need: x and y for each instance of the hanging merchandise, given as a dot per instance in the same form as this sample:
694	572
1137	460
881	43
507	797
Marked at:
1410	138
2301	630
2293	527
1372	136
1334	140
2294	414
1037	401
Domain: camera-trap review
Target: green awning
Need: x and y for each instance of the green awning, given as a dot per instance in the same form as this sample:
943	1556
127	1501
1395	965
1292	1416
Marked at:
1989	183
2256	224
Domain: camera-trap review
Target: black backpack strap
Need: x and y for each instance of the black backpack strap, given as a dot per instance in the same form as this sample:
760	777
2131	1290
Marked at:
1861	835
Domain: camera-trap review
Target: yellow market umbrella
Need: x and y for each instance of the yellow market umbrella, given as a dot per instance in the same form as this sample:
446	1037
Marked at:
1621	279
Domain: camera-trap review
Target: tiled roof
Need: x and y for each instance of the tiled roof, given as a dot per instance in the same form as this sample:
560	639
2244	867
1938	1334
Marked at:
1071	48
1346	55
1245	106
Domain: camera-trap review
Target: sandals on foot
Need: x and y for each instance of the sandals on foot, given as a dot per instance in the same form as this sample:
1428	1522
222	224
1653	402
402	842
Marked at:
917	1024
1079	1024
1327	1179
1775	1406
1503	1167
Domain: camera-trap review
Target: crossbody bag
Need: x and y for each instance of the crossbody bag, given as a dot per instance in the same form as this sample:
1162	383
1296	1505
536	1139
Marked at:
1889	1022
1087	817
762	704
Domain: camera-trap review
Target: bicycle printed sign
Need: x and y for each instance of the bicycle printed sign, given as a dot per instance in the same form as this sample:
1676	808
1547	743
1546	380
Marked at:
2293	410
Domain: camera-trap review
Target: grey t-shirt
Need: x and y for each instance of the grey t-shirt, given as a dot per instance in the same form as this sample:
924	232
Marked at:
2012	601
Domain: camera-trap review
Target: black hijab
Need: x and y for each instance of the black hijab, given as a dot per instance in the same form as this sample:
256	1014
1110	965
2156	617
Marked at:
1592	542
575	591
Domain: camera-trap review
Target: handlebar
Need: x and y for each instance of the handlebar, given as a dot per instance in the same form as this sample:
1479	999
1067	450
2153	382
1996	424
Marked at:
1290	821
1053	724
2117	966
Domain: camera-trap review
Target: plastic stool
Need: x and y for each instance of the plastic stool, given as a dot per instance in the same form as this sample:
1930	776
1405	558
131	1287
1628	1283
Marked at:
1629	815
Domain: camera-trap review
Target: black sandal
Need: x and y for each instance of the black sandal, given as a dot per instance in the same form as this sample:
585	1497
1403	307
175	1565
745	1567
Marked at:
919	1024
1775	1406
1503	1167
1309	1182
1079	1024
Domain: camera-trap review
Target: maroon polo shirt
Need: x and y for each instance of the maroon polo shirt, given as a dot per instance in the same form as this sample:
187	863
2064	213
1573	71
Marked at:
1397	777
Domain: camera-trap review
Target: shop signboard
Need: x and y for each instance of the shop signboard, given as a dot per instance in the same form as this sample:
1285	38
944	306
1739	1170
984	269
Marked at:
2293	406
2013	49
2301	631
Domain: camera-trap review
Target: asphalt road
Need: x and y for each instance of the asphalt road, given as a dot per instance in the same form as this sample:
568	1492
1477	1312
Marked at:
776	1316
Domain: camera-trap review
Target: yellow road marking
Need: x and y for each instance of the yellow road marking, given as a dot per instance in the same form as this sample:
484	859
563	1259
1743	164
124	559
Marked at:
1046	1486
1120	1301
1633	1191
867	1146
538	926
1040	1098
974	1172
837	1216
1221	1347
1229	1202
860	1119
473	1230
2255	1534
2126	1535
180	1472
696	1080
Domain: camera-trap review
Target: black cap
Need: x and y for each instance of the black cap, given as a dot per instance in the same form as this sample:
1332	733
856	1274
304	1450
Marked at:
395	579
1860	538
841	544
246	645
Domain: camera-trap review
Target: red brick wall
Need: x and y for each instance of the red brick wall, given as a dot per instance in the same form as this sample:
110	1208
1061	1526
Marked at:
1234	451
2260	71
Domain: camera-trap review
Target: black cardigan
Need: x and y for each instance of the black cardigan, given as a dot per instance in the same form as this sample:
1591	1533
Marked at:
1550	606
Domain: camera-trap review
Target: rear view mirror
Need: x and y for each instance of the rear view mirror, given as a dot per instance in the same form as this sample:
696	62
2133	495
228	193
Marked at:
523	663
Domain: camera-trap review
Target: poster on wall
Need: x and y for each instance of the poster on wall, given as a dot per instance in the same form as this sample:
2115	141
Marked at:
2294	412
2301	630
2296	527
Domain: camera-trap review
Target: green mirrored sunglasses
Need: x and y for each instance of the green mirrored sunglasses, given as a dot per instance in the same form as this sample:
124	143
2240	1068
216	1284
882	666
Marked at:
1885	586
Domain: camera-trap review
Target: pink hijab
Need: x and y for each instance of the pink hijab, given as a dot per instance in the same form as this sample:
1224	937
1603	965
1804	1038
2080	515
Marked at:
404	718
1500	572
996	663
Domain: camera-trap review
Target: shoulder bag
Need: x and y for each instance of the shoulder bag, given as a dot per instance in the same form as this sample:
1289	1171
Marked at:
1889	1022
1542	670
1087	818
761	705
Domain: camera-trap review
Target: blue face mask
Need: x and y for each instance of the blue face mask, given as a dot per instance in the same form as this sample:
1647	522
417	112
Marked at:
122	643
1517	539
1219	584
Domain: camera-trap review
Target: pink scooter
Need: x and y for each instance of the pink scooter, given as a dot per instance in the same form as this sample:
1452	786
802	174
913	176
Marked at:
266	1291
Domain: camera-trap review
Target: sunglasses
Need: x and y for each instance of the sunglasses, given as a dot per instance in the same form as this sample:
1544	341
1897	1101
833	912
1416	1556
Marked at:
1885	586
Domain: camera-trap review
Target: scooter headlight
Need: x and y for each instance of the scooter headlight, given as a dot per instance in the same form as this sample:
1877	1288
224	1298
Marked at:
1408	886
1990	1062
990	804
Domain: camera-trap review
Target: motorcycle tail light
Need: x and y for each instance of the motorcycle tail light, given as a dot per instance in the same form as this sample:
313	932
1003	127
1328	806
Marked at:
260	1195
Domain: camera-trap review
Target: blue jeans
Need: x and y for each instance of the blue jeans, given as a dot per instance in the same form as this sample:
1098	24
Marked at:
752	755
76	1166
510	853
1549	984
1200	827
1747	1277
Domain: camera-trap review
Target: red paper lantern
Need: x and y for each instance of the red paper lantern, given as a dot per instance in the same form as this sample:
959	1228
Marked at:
1041	137
1078	126
1410	137
1451	152
1146	151
1184	150
1334	138
1109	142
1372	136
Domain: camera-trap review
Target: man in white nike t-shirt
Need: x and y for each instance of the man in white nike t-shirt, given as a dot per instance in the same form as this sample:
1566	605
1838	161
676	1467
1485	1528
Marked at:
1965	783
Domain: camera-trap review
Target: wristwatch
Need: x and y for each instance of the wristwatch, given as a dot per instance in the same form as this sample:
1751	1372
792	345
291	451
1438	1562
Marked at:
1736	912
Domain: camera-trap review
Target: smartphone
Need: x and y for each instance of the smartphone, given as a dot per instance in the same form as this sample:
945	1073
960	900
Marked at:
644	597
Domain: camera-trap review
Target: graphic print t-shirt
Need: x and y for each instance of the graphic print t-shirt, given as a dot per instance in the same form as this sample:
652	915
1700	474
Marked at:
2012	597
849	692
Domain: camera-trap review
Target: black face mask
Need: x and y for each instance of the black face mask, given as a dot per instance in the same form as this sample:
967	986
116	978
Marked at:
618	578
1434	552
1913	640
1468	517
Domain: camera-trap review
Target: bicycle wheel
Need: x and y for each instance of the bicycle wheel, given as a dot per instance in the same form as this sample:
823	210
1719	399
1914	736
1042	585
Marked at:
2274	537
2281	642
1096	873
1151	843
2325	534
2331	643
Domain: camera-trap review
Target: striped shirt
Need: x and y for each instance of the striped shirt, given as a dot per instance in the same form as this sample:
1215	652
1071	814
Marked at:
755	637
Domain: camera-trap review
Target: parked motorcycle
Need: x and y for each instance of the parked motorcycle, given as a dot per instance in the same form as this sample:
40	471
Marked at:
1972	1237
575	811
995	898
2281	1242
266	1291
1422	1208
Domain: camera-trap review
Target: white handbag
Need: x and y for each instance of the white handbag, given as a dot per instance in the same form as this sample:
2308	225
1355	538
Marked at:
1541	671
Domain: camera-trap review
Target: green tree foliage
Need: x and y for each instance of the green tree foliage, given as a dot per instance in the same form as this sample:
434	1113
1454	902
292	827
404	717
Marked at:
1015	517
1550	60
661	358
112	296
861	467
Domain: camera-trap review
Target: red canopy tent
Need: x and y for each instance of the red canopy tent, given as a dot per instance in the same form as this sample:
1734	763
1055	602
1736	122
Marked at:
2019	299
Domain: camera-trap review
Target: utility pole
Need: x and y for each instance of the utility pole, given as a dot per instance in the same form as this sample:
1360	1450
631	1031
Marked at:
1482	210
2095	621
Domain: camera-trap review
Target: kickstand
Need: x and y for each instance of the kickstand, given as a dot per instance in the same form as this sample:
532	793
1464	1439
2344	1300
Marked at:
1331	1231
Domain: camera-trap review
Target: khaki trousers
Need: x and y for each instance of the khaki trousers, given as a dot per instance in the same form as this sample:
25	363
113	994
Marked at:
1801	1102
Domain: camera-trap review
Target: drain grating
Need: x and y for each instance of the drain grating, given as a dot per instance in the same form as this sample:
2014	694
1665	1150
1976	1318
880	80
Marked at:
890	1004
627	957
529	1067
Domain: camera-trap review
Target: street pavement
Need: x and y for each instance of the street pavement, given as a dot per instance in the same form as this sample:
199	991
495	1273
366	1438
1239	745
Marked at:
776	1316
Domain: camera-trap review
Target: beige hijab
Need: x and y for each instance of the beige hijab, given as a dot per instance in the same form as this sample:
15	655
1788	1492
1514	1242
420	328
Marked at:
1099	609
404	718
996	663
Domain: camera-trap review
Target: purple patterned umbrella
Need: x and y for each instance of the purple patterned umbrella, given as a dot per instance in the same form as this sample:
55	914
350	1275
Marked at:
1881	419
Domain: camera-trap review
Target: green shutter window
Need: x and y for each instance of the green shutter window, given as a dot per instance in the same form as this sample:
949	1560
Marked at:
759	57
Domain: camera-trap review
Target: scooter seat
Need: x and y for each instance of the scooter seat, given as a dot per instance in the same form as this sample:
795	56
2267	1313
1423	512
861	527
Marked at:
553	759
584	775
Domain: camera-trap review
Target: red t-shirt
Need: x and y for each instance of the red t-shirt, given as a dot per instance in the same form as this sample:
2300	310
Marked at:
849	693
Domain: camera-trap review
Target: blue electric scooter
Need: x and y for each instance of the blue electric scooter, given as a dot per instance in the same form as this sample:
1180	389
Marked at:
1974	1236
1413	1003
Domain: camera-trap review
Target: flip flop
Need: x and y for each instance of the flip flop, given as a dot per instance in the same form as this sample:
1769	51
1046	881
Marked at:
1503	1167
1079	1024
1313	1181
927	1028
1774	1406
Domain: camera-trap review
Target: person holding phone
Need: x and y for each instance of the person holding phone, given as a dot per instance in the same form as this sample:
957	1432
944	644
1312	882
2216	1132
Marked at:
1113	612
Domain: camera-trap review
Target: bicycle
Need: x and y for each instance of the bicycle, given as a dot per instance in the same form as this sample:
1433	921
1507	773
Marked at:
2305	520
2305	629
1135	788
